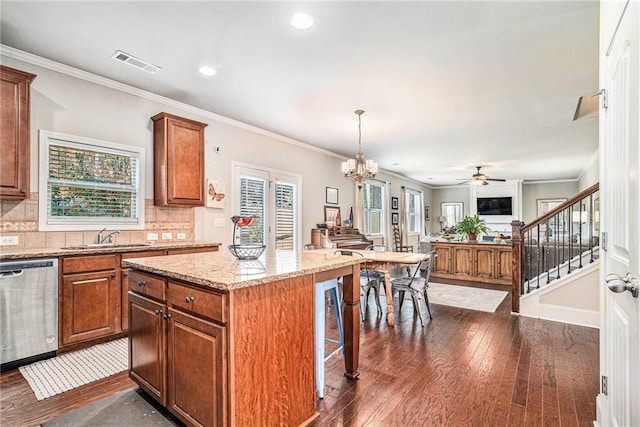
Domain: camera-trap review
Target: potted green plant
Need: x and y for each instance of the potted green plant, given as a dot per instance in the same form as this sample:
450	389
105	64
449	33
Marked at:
471	226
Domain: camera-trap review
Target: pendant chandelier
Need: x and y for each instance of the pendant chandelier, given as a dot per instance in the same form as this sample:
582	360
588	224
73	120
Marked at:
359	169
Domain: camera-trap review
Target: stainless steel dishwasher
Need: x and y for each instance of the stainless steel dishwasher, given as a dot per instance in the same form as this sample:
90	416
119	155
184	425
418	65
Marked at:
28	311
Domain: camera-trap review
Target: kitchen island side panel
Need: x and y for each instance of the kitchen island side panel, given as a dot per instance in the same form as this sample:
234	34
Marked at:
271	353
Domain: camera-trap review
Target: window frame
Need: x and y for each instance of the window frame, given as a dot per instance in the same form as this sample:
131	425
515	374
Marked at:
46	223
409	193
383	209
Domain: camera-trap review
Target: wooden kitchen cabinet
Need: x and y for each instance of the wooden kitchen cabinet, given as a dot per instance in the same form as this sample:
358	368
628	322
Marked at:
90	303
124	285
177	347
15	132
475	262
178	147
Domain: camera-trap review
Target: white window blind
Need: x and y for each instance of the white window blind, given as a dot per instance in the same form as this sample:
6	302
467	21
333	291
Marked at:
373	195
414	210
89	184
285	201
252	203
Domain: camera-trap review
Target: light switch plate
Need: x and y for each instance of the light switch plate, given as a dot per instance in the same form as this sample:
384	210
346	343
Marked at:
167	236
219	222
181	236
8	240
152	236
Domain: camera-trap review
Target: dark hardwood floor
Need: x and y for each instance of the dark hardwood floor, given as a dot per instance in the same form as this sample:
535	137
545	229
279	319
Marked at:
463	368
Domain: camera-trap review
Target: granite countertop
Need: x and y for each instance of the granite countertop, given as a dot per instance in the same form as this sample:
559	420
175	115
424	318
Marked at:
478	242
24	253
222	271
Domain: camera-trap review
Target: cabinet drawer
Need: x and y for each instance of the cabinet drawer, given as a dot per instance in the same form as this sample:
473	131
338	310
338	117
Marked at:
144	254
179	251
208	304
146	284
82	264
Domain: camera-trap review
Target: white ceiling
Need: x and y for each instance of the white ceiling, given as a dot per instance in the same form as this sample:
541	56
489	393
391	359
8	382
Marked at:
445	85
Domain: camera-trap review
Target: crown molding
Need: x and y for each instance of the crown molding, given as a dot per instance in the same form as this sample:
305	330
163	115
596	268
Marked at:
550	181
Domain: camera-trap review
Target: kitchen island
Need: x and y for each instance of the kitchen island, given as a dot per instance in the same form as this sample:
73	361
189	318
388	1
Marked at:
225	342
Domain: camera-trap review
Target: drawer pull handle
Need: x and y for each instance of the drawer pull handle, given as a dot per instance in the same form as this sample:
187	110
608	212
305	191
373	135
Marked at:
141	283
23	191
167	316
189	299
157	312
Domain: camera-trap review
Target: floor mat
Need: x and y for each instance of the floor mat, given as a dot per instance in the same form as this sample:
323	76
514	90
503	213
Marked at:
70	370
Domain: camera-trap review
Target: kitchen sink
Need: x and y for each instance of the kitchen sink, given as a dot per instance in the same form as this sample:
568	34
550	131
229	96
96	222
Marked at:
106	245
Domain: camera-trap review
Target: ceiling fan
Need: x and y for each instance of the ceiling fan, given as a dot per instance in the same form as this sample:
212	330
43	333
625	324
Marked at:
479	178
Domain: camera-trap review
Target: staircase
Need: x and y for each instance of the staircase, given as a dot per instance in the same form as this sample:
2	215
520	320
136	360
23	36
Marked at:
555	262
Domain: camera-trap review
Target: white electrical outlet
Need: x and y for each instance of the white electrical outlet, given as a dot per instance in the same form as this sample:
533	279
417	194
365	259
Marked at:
152	237
219	222
167	236
8	240
181	236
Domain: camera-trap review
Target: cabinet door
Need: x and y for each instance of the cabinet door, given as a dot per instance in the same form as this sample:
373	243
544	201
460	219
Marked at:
147	349
462	261
15	130
443	260
178	161
196	370
483	262
503	266
90	306
124	281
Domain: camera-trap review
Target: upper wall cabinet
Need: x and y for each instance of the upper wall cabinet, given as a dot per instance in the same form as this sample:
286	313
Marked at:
178	147
15	130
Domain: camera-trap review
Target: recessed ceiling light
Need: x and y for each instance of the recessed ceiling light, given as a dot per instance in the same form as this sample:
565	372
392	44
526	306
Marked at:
301	21
395	164
208	71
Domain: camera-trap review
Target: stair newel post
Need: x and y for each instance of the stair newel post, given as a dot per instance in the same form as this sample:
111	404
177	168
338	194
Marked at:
517	260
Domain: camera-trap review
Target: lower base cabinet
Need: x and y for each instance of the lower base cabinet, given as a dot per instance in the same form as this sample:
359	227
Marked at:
475	262
177	357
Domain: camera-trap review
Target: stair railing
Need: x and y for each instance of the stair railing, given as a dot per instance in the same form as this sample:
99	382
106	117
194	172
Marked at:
555	244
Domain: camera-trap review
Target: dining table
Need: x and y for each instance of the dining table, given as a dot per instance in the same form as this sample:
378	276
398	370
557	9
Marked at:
385	262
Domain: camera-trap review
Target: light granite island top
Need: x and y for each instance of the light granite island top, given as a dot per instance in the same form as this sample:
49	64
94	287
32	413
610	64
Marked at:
224	342
222	271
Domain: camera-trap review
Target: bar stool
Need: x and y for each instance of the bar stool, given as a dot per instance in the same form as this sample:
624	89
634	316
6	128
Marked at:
321	288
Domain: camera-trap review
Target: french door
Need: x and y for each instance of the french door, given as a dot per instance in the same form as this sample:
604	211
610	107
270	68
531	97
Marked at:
273	197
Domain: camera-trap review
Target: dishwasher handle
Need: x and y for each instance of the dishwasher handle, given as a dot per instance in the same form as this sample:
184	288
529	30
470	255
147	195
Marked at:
11	274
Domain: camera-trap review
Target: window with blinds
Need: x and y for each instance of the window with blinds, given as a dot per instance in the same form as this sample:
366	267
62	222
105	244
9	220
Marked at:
89	184
252	203
413	211
373	195
285	214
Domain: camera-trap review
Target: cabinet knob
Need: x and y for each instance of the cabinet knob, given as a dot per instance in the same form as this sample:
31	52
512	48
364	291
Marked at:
189	299
158	312
141	283
23	191
167	316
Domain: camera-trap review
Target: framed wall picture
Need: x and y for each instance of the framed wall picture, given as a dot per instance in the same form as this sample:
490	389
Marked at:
394	218
426	214
331	212
332	195
216	190
394	203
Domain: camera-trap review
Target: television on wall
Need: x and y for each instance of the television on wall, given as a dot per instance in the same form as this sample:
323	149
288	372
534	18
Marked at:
494	206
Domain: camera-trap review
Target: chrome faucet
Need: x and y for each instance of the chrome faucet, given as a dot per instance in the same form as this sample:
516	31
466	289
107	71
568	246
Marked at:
101	240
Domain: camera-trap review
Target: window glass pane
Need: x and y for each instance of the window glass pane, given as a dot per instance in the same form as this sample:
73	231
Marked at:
414	212
373	207
89	202
252	200
285	215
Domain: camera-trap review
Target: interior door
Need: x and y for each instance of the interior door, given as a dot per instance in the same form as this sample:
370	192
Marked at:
619	401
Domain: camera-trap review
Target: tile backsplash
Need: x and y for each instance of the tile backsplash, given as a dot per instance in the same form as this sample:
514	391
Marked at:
20	218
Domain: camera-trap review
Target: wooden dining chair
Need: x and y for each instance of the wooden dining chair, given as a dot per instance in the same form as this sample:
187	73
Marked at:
397	240
416	284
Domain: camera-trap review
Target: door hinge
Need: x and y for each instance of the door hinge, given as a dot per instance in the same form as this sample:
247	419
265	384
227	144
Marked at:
603	93
605	241
604	385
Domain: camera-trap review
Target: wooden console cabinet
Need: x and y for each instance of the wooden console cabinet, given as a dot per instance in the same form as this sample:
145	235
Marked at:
178	161
15	133
476	262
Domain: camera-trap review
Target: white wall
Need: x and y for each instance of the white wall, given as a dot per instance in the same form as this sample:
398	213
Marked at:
64	103
533	192
591	174
458	193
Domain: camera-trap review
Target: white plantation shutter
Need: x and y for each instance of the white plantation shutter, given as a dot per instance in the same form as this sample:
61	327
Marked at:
285	202
414	210
252	203
89	184
373	194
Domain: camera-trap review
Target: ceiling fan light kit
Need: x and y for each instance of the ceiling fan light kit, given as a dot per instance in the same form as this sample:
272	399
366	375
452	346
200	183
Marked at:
479	178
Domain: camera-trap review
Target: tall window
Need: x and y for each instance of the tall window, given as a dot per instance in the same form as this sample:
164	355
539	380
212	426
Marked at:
273	198
413	210
87	184
373	195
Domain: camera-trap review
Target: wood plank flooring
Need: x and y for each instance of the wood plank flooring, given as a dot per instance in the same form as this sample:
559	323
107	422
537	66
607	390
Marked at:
463	368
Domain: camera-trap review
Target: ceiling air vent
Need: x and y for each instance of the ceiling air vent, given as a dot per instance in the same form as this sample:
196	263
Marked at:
135	62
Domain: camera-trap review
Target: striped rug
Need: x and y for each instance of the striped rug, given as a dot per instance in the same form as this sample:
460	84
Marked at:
70	370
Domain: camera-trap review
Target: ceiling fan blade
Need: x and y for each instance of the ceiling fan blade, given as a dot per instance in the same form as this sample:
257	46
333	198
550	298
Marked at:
495	179
463	182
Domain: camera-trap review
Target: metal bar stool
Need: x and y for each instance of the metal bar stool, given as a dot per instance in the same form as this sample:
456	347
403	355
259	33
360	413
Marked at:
321	288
